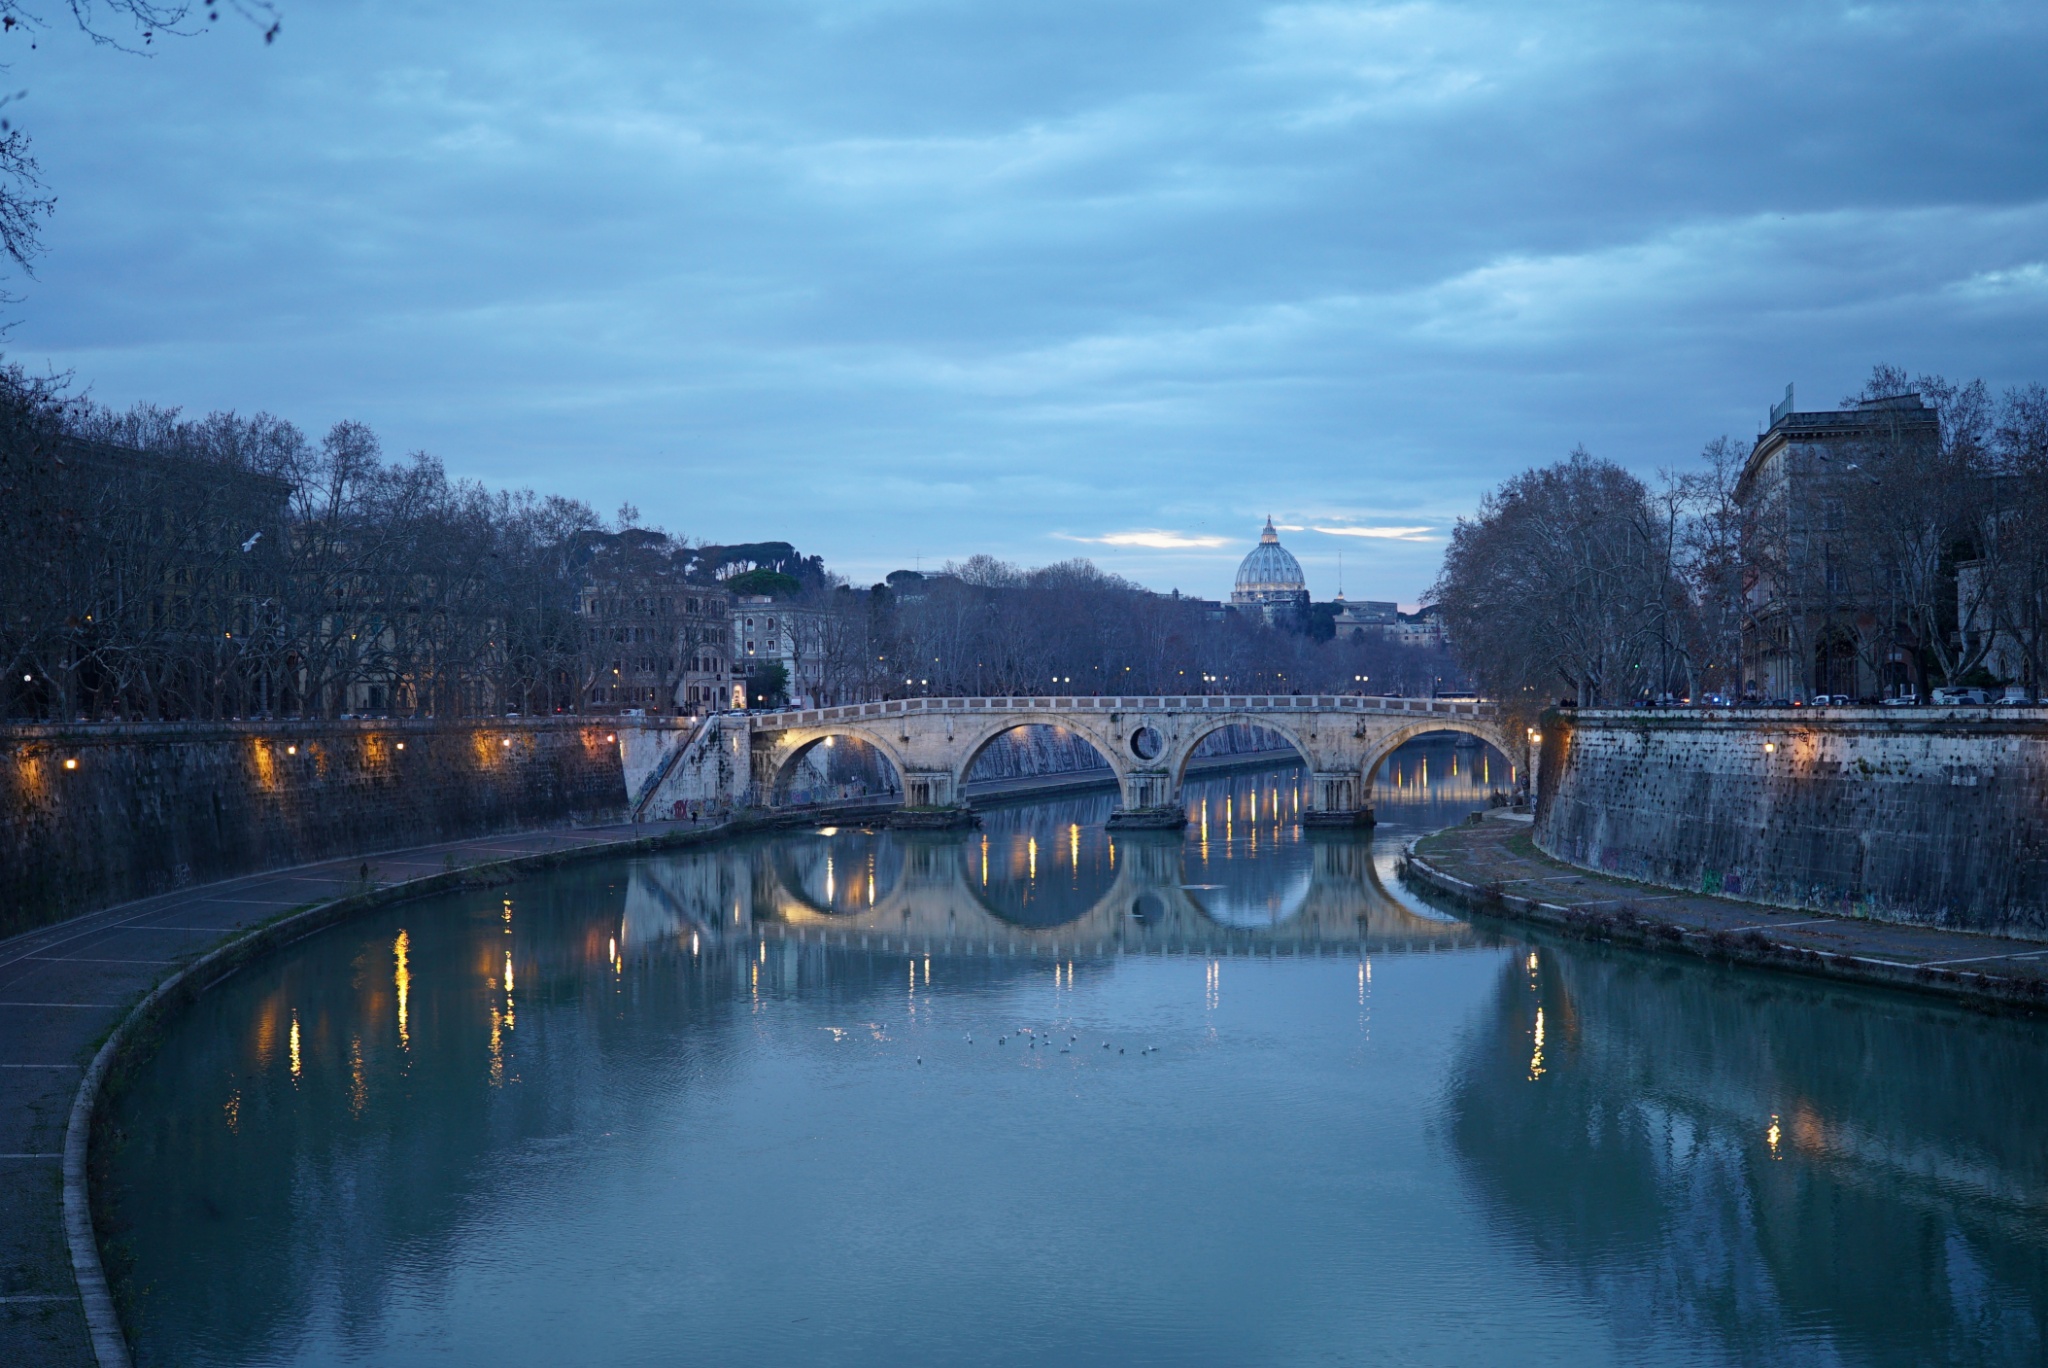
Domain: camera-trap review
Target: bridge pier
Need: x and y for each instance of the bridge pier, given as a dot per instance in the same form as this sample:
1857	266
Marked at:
930	803
928	788
1151	802
1333	801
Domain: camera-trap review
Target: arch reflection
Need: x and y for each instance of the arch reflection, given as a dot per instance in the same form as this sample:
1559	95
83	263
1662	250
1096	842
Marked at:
1046	873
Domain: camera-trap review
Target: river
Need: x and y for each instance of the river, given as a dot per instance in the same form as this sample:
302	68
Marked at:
1031	1095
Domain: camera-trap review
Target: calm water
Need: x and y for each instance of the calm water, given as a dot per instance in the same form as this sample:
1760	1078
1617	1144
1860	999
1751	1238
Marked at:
724	1107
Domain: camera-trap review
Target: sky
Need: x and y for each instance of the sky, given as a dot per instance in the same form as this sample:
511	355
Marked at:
901	281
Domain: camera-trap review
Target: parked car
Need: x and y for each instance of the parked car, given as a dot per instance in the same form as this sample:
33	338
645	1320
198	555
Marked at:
2014	696
1904	700
1959	697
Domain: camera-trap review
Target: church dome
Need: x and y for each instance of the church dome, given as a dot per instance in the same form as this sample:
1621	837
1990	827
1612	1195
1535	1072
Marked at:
1270	570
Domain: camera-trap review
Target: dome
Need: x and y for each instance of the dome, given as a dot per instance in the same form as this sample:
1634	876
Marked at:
1271	569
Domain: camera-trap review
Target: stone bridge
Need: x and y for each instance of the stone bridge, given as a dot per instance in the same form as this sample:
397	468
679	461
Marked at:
1147	741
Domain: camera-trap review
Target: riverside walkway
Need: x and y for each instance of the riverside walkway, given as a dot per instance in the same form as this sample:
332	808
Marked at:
1494	866
64	987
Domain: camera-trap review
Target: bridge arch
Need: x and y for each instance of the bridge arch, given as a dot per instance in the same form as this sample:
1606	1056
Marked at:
1104	746
791	747
1387	743
1207	727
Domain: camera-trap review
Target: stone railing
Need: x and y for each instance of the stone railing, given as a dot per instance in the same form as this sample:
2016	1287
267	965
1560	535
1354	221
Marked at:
1255	703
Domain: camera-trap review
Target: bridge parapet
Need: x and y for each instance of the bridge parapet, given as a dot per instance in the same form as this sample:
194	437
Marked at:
1086	703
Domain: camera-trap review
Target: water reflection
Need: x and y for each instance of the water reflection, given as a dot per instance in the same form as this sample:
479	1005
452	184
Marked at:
1798	1172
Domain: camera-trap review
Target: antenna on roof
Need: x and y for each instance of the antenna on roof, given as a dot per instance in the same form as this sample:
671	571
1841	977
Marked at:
1780	410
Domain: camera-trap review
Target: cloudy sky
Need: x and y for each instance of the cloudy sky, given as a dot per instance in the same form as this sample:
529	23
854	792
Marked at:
903	279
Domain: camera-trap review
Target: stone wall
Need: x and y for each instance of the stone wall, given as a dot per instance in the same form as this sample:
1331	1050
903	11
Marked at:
1936	815
96	814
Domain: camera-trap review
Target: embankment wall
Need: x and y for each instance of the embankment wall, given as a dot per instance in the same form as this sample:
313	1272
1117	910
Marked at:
1930	815
148	807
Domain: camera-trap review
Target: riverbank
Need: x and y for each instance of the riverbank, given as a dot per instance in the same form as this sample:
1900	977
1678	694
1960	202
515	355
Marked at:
1493	867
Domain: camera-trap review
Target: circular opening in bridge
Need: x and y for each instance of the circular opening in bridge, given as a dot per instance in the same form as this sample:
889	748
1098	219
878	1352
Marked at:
1147	743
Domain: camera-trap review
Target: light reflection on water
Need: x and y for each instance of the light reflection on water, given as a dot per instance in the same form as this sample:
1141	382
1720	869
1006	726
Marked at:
843	1097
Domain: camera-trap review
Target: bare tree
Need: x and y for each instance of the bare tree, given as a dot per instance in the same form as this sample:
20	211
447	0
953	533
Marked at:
1561	579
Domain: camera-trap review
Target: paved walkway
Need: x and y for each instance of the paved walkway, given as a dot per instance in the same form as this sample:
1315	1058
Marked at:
64	987
1498	853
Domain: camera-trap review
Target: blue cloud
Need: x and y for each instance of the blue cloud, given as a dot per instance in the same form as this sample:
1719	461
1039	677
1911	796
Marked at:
898	279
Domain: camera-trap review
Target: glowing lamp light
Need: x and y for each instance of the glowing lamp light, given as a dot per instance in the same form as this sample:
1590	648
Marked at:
291	750
1769	747
71	764
610	737
508	743
401	745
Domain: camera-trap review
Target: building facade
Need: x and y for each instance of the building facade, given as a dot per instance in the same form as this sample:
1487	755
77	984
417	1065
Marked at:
651	640
1811	624
768	633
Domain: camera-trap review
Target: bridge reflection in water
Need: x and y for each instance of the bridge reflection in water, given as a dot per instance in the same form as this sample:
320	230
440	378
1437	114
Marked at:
1049	878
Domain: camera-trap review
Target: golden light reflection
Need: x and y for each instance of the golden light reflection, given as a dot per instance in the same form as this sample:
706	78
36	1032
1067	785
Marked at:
927	970
1032	851
831	883
358	1086
497	1047
295	1044
1074	845
401	978
509	1022
1536	1059
234	1112
1212	987
871	884
984	862
266	1032
1773	1136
